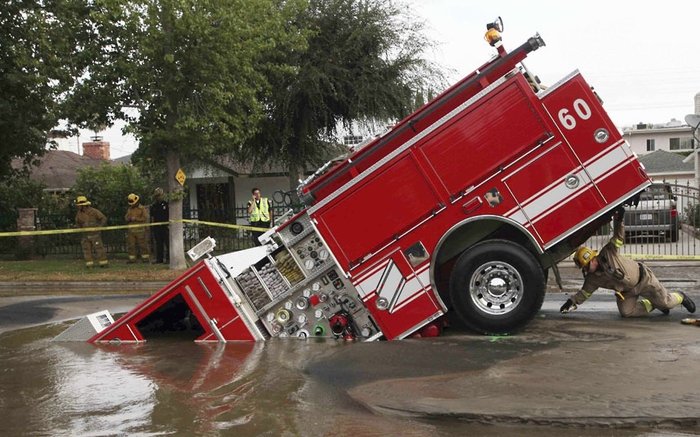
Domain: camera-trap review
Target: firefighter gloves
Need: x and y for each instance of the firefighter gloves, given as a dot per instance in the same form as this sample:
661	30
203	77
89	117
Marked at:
569	305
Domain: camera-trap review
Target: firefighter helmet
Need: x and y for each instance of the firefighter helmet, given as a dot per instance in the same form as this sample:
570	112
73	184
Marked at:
82	201
583	256
133	198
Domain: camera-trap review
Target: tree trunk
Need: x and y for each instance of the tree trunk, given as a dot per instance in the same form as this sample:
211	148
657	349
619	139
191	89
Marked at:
176	248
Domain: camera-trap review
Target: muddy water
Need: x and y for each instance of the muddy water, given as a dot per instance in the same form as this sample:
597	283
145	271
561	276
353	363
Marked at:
175	388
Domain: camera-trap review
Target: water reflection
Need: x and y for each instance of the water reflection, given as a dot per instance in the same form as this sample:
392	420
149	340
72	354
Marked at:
175	388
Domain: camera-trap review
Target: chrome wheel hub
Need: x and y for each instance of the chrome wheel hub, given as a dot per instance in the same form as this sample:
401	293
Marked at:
496	288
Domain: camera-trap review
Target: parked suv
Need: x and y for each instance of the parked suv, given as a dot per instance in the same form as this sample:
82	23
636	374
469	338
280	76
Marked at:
654	214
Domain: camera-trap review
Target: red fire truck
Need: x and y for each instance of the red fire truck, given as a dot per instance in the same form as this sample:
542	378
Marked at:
473	200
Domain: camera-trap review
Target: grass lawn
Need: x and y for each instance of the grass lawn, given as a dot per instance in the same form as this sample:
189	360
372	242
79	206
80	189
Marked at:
64	269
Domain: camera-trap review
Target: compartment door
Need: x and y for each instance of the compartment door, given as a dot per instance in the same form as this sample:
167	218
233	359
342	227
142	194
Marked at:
553	192
399	298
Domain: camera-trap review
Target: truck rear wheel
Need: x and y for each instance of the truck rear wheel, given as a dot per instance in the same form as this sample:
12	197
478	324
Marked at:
497	287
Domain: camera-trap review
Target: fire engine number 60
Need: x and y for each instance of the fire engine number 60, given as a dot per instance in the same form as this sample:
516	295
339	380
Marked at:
581	109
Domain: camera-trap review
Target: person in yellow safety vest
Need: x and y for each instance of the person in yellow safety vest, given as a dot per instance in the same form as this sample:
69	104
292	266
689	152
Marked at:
136	236
629	279
260	210
88	217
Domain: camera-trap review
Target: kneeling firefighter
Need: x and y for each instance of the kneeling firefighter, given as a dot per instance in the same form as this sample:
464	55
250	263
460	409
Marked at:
629	279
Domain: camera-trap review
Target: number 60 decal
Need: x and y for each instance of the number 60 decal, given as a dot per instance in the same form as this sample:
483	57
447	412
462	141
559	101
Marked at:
581	109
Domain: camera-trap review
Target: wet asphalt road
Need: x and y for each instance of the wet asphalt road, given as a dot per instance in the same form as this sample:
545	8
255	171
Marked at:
588	368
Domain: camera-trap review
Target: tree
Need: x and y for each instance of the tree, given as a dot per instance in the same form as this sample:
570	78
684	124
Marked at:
193	68
41	48
108	187
363	62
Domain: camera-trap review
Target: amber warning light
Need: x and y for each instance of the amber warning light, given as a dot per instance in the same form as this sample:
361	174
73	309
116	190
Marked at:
493	32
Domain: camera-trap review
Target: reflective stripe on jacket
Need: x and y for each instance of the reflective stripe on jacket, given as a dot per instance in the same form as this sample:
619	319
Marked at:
260	213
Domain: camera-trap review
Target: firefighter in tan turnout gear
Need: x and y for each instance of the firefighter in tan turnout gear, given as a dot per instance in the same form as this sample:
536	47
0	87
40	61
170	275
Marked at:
136	236
629	279
88	217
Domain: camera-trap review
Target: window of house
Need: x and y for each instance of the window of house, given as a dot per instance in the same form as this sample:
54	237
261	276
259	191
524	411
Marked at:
651	145
683	143
351	140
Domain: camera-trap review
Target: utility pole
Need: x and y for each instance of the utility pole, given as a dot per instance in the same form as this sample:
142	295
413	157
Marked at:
693	121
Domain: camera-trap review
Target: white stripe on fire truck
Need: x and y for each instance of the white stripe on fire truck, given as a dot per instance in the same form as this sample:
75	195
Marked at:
368	282
376	268
412	290
389	283
556	194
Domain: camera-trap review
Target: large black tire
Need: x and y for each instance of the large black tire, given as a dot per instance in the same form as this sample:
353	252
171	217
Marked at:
497	287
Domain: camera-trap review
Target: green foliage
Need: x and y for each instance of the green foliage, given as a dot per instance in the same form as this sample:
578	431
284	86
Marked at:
691	215
20	192
363	62
108	186
40	51
193	69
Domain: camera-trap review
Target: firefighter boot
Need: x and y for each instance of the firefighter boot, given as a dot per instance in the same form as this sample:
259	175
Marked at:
687	303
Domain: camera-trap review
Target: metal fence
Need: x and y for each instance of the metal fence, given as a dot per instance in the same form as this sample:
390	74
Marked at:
654	246
227	239
686	246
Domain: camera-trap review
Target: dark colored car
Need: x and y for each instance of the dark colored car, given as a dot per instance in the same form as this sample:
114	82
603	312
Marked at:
654	215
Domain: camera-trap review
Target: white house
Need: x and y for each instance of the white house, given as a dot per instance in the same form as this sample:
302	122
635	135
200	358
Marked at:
674	136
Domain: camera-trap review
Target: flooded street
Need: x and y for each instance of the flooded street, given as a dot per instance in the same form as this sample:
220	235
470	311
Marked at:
276	388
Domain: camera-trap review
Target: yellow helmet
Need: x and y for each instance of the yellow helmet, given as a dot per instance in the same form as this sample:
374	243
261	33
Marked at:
583	256
82	201
133	198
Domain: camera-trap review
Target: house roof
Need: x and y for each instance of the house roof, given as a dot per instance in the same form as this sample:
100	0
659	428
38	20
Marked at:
58	168
662	161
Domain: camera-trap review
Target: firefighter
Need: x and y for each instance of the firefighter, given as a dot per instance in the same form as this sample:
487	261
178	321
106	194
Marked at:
159	214
629	279
88	217
136	236
260	210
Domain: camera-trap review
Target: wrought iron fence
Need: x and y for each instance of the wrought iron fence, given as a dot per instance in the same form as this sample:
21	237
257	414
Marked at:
227	239
654	238
651	245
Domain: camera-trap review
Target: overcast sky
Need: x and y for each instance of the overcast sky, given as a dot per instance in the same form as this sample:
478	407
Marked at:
643	58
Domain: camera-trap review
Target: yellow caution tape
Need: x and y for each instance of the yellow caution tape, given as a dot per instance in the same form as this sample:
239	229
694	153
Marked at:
109	228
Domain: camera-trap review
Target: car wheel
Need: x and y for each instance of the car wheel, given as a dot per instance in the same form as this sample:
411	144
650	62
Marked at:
497	287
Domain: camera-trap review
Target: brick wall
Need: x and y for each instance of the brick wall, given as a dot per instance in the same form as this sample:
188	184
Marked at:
96	149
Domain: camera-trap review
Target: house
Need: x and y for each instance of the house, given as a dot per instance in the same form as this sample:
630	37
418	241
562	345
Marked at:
663	166
674	136
58	169
667	166
224	184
